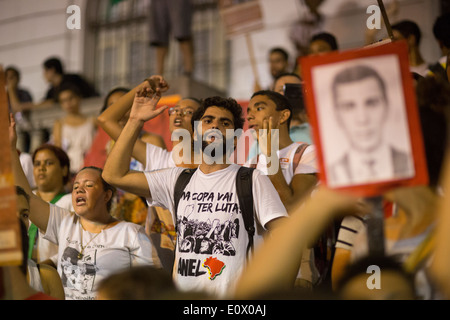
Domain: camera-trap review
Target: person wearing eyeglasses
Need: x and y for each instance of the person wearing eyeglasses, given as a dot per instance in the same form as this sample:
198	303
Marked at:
159	223
151	156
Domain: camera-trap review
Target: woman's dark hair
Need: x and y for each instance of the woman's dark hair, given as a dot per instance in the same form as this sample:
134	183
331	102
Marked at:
106	185
113	91
60	154
25	246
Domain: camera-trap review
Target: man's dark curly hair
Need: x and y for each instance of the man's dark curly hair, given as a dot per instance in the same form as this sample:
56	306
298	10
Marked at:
227	103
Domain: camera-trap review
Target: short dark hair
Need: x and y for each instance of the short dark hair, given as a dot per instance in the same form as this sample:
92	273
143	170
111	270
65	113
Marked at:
55	64
281	51
358	73
440	29
327	37
60	154
106	185
227	103
407	28
281	102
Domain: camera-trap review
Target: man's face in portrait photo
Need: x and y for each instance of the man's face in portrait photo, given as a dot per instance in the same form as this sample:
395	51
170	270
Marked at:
361	109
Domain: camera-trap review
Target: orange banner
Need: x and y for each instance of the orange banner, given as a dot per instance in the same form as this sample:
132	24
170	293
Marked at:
10	238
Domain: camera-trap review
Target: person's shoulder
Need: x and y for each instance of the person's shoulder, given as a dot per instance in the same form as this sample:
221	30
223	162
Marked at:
72	77
24	95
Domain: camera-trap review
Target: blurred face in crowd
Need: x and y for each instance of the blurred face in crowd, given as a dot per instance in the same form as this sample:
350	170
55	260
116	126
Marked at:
277	63
361	110
49	74
47	171
11	78
318	47
279	84
181	114
69	101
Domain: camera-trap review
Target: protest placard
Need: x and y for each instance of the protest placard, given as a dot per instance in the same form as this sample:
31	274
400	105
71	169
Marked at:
10	238
363	111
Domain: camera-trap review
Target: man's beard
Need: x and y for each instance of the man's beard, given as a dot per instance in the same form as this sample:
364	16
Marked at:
214	149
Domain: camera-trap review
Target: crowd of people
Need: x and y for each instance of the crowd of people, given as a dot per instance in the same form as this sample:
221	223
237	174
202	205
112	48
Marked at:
151	221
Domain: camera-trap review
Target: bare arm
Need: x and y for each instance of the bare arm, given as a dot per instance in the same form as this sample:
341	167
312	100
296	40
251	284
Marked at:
39	209
51	281
301	184
275	264
117	167
16	105
109	119
56	132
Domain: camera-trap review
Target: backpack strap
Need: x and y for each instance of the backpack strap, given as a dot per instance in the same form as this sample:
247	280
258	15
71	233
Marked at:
298	154
245	197
180	185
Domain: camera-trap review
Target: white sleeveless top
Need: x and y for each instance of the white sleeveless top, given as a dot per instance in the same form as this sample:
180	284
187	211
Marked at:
76	141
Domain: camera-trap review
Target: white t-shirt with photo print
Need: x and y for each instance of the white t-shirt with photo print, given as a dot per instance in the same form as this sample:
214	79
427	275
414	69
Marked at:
211	239
120	247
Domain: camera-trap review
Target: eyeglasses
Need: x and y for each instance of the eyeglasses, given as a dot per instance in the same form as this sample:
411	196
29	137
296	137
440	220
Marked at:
187	112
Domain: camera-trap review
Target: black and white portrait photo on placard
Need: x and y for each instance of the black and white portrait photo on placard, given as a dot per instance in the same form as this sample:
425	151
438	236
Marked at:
364	116
363	108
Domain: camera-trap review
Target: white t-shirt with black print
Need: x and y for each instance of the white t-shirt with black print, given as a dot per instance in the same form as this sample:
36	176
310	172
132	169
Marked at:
211	239
306	165
120	247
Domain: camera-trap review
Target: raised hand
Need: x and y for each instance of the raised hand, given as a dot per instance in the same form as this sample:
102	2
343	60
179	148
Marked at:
154	82
145	104
159	82
268	135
